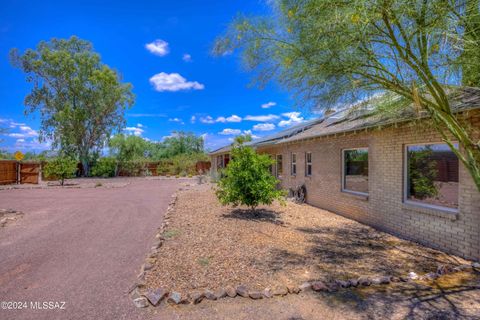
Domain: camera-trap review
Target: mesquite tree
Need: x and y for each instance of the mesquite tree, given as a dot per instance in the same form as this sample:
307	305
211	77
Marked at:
81	100
332	51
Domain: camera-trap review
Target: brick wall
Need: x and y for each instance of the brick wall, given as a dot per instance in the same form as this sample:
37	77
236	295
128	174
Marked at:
384	208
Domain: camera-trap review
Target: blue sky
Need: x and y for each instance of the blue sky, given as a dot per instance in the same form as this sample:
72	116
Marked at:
163	49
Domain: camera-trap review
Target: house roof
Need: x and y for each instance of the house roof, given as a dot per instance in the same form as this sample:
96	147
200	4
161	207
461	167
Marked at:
362	116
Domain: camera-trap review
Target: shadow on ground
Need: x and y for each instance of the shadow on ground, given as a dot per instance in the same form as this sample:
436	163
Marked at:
455	296
258	215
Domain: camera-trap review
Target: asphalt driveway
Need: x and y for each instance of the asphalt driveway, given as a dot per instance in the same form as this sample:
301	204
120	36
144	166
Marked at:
78	248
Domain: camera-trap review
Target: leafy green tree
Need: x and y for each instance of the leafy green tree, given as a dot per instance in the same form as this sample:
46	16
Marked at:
105	167
181	142
247	179
81	100
61	168
470	58
335	51
128	147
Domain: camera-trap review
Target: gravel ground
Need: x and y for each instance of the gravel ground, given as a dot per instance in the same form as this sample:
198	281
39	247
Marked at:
210	246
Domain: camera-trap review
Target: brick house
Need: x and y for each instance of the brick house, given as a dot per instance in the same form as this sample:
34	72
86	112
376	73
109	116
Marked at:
392	172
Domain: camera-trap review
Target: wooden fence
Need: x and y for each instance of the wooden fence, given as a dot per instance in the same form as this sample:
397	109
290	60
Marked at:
12	171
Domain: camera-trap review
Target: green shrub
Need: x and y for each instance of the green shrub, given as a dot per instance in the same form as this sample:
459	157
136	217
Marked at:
105	167
60	168
133	168
247	180
182	164
422	174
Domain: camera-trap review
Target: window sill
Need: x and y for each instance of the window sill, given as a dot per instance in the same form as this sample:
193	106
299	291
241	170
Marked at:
356	195
437	212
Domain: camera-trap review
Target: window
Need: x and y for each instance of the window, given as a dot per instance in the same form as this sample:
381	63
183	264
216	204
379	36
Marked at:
308	164
279	165
293	168
355	171
432	175
219	162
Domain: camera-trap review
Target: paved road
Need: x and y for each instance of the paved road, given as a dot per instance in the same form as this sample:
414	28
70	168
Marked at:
81	246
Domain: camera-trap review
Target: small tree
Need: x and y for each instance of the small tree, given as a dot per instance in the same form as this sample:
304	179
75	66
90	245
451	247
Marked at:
247	179
105	167
61	168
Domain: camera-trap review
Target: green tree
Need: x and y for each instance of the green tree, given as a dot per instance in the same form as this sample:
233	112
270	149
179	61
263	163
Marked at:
60	168
247	179
81	100
470	58
422	173
181	142
331	51
105	167
128	147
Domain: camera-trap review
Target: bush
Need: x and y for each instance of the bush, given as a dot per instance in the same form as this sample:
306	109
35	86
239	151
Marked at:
247	180
61	168
182	164
105	167
133	168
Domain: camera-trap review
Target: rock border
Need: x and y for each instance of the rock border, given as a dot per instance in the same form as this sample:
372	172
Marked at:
143	298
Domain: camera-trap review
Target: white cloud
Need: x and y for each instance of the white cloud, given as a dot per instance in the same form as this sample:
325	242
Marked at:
268	105
264	127
193	119
173	82
136	131
232	118
228	131
207	119
293	118
176	120
187	57
262	118
249	132
158	47
25	132
146	115
140	125
31	144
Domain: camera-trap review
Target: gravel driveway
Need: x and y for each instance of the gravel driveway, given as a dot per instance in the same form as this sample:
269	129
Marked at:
82	246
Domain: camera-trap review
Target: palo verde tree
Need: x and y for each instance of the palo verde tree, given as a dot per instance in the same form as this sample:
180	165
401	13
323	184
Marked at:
81	100
247	179
336	51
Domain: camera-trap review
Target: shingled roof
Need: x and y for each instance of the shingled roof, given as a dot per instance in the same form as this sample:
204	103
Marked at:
361	116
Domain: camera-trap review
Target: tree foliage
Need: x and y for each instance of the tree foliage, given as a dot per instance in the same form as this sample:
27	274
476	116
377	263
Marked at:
337	51
81	100
60	168
105	167
247	179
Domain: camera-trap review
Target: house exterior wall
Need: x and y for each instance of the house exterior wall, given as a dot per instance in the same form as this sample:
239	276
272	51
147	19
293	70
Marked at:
384	207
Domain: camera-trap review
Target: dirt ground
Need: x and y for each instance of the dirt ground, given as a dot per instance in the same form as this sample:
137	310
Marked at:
209	246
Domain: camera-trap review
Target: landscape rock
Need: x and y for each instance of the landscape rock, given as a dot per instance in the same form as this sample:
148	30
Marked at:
197	297
464	267
353	282
155	296
174	297
242	291
256	295
305	286
220	293
185	299
430	276
209	295
319	286
147	266
140	302
268	293
412	275
280	291
364	281
476	265
395	279
293	289
343	284
231	292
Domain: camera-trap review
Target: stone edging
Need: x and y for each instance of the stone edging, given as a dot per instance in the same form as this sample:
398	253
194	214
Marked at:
144	298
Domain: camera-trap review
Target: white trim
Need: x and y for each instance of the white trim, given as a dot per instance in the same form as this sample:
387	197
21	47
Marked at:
343	172
405	180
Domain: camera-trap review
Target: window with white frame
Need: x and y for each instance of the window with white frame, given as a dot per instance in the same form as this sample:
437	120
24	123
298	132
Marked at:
355	170
431	175
293	166
308	164
279	165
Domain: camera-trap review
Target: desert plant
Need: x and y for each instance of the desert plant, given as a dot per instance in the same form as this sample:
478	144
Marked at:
105	167
422	174
247	180
61	168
